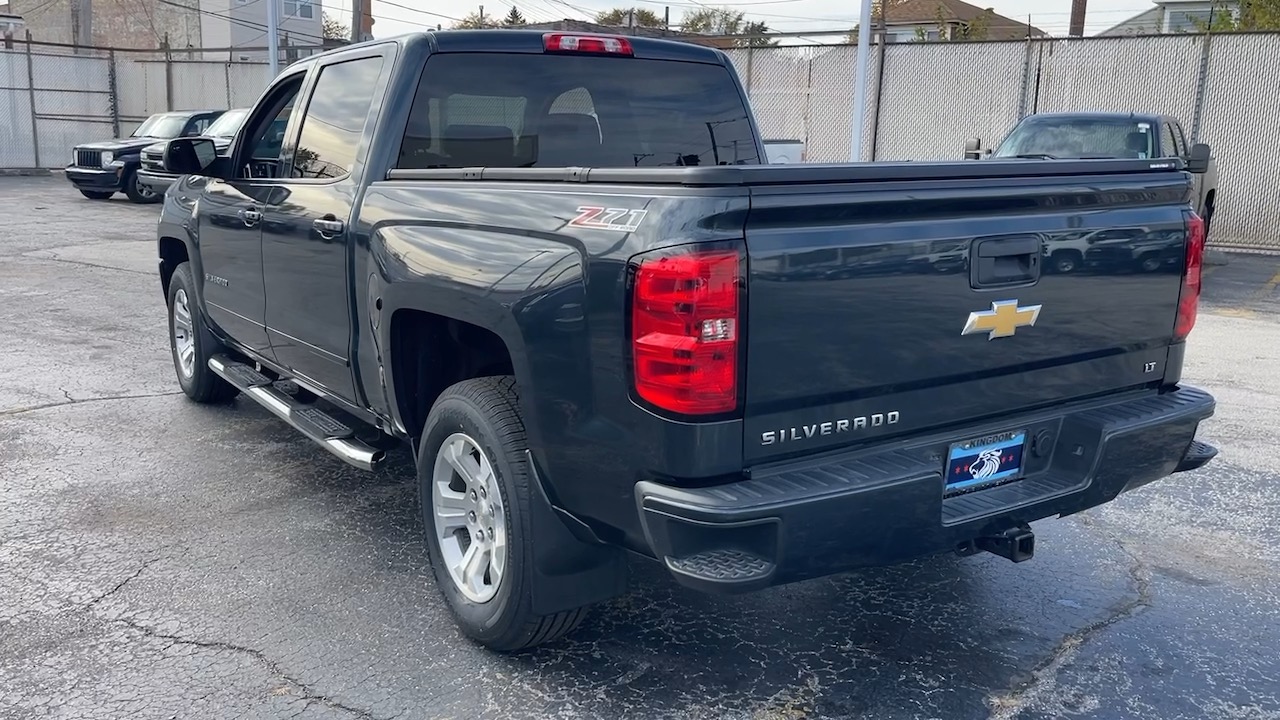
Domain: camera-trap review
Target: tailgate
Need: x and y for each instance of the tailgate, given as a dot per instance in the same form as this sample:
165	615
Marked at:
878	310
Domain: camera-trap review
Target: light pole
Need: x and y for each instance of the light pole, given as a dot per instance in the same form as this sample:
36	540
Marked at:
860	84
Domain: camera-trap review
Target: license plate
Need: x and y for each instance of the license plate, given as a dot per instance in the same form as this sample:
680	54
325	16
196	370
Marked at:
985	461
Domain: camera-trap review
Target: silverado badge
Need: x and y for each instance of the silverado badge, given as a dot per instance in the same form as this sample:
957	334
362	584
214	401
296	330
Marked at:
1002	320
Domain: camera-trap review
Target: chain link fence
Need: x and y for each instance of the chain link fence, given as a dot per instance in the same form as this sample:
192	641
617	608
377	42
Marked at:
924	100
53	97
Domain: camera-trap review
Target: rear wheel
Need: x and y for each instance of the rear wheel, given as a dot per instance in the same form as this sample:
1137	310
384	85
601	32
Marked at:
97	194
191	343
138	192
473	483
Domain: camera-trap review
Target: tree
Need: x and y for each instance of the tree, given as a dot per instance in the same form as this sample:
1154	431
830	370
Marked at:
948	30
714	21
513	18
878	8
725	21
473	21
1251	15
755	32
975	29
333	28
617	17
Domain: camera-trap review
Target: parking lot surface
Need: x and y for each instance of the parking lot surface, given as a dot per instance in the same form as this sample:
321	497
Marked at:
160	559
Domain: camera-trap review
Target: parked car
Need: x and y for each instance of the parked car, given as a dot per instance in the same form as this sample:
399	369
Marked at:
1110	135
561	314
102	169
151	174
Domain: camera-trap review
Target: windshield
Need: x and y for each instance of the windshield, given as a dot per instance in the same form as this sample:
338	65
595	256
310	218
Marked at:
1083	138
161	126
227	123
499	110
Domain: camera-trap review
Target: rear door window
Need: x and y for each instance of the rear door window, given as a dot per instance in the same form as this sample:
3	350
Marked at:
334	124
509	110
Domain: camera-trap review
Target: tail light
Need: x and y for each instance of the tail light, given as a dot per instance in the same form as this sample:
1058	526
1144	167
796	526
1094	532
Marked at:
1189	298
592	44
684	331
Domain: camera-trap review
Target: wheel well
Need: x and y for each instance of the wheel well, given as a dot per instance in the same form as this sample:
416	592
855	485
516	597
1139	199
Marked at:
173	252
430	352
1208	201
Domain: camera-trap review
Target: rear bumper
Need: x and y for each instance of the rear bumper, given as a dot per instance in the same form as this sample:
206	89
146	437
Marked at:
885	505
93	179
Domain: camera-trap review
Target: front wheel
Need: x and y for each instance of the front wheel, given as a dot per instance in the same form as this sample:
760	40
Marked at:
138	192
97	194
474	488
191	343
1065	261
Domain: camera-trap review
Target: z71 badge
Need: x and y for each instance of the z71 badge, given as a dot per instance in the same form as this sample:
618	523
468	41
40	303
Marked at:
602	218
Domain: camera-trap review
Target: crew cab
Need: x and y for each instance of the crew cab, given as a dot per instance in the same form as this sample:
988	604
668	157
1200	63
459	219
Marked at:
1054	136
102	169
556	267
151	172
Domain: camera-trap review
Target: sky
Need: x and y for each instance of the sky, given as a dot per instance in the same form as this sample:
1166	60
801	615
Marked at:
401	16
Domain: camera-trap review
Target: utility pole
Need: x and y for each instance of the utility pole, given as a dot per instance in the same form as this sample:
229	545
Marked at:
357	20
860	89
75	25
481	16
1078	7
273	37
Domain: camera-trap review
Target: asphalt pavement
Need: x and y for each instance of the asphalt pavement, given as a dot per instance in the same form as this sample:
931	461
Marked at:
160	559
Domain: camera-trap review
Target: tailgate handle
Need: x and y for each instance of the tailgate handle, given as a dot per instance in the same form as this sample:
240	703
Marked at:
1000	262
1006	247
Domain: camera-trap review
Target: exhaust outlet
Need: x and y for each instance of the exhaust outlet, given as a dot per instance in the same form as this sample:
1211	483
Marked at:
1017	543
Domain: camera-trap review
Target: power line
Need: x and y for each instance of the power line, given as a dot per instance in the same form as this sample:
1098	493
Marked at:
243	23
417	10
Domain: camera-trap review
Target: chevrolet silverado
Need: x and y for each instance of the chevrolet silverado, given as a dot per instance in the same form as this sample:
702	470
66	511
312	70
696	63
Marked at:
554	266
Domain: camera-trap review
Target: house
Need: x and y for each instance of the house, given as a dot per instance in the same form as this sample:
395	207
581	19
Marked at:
187	24
1171	16
912	20
11	25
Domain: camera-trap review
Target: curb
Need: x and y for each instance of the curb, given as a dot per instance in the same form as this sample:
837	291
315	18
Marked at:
24	172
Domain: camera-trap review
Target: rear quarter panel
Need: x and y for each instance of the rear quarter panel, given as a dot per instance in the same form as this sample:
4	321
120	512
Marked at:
507	257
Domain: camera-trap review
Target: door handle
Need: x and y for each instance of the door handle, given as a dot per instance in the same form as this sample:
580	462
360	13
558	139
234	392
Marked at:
328	227
250	217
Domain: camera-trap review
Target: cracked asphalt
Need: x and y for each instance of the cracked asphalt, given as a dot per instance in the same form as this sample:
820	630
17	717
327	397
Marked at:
164	560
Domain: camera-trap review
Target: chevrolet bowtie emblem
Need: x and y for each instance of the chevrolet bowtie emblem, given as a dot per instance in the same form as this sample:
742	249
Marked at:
1002	320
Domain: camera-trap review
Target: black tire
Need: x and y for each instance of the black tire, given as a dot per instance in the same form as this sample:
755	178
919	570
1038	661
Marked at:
97	194
137	193
1066	261
201	384
488	411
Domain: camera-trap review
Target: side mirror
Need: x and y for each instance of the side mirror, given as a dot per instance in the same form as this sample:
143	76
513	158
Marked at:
1198	159
189	156
973	148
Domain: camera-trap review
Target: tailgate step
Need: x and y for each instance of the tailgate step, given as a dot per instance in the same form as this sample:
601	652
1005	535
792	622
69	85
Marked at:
722	566
312	421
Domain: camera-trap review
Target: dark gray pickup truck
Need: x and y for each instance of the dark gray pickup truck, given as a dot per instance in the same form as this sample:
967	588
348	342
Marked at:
554	267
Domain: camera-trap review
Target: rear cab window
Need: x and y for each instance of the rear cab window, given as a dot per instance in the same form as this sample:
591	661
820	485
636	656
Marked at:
1080	138
523	110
